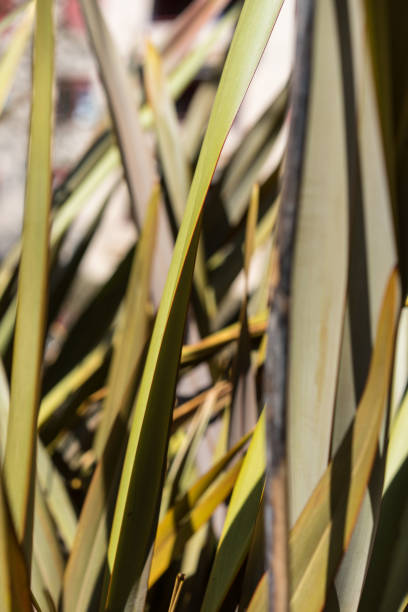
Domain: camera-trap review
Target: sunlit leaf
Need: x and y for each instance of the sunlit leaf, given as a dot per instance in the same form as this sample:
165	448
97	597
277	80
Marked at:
154	404
318	285
19	463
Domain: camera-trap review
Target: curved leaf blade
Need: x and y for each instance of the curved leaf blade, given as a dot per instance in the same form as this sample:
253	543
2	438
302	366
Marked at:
149	434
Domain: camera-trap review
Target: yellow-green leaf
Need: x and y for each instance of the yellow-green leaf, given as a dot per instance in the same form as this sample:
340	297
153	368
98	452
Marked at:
149	433
19	462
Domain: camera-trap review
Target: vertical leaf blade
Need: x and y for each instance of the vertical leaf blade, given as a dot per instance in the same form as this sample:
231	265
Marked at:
19	463
148	438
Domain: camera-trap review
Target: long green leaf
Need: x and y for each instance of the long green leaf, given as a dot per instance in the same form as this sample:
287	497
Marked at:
149	434
19	463
175	166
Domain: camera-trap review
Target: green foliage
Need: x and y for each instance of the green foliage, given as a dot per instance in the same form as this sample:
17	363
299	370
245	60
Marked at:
167	501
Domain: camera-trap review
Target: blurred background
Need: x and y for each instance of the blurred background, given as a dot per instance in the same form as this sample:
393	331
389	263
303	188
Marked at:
82	113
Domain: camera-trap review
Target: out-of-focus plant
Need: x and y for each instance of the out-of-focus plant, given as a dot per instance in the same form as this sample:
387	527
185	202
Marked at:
278	479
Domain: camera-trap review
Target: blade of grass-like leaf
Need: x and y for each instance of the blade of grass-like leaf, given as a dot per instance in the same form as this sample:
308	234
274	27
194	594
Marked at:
369	195
14	581
149	433
240	521
323	530
19	463
318	286
191	354
133	330
13	54
175	166
226	265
